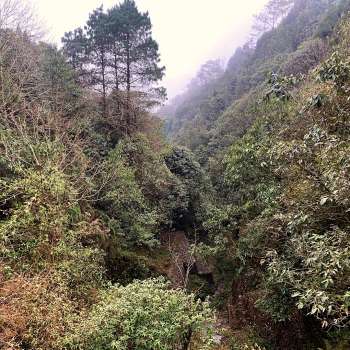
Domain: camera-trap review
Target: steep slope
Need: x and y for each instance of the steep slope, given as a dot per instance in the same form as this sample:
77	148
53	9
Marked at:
279	159
87	187
96	208
209	119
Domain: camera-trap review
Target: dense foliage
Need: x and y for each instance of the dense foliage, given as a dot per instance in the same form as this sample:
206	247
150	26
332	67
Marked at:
81	193
277	152
144	315
98	210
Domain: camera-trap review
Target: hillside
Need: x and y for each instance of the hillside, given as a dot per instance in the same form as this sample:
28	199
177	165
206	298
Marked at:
231	232
209	118
273	133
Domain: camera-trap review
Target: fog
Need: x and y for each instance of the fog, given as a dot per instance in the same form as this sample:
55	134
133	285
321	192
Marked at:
189	32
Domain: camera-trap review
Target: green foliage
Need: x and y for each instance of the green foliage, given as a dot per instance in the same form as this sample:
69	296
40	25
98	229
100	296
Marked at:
144	315
61	182
192	190
125	266
39	230
302	239
84	198
115	50
182	163
156	181
40	198
59	85
139	49
316	269
282	220
336	70
280	87
248	172
143	190
129	215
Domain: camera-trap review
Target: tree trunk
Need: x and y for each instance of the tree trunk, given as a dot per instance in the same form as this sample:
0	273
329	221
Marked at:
104	90
128	86
128	73
116	78
187	340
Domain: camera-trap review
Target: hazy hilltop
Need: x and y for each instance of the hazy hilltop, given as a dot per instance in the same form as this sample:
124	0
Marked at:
290	41
222	225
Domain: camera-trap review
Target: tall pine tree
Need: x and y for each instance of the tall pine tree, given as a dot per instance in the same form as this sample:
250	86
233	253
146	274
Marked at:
98	37
119	53
115	57
75	49
139	51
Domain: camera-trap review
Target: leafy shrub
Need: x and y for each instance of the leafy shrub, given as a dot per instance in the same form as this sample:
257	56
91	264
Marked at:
144	315
190	186
34	312
40	202
280	86
336	70
129	214
316	269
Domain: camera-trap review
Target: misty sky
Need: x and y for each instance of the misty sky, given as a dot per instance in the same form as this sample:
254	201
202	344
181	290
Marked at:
189	32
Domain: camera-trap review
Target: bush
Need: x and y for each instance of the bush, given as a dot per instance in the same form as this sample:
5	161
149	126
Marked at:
130	215
144	315
34	312
315	268
337	71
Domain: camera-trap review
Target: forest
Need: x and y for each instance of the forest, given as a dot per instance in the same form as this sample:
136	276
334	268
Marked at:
216	220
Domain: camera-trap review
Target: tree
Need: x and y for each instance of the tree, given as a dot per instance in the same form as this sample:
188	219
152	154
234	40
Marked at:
139	51
116	52
270	16
98	48
75	49
209	72
57	81
115	59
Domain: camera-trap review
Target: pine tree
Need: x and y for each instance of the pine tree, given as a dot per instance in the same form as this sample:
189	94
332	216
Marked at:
115	57
98	37
75	49
117	52
270	16
57	82
139	51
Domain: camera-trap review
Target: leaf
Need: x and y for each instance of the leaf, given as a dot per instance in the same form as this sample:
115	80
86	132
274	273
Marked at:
323	200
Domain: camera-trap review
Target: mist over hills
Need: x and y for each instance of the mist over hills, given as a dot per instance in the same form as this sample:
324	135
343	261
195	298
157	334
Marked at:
224	224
